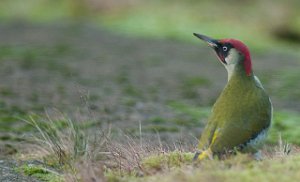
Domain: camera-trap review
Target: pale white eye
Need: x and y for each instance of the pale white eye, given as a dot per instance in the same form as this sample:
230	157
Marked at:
225	48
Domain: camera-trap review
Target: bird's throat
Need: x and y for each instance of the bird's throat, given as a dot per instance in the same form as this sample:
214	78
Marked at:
233	63
236	71
230	70
238	80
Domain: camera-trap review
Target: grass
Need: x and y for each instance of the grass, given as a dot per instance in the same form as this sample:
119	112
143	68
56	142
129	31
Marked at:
65	146
60	139
177	166
239	168
166	161
61	144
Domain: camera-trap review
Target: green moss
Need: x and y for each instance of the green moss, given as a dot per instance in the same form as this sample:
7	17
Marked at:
237	170
176	166
40	172
167	160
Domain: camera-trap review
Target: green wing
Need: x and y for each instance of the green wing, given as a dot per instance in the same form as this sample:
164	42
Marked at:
207	135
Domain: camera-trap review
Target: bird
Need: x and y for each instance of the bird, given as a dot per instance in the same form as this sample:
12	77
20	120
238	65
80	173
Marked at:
242	114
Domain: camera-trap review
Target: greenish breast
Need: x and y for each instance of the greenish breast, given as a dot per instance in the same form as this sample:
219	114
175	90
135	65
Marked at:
241	99
242	112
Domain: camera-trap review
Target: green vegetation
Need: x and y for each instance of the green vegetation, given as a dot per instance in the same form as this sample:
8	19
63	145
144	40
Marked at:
177	166
63	140
238	168
40	172
64	144
166	161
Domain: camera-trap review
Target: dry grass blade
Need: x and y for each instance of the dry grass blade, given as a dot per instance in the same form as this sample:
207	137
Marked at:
68	146
284	148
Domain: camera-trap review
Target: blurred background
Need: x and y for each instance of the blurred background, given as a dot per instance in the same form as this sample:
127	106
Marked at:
260	23
127	63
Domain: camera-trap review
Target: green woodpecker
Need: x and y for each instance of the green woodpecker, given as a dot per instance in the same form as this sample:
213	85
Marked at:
242	114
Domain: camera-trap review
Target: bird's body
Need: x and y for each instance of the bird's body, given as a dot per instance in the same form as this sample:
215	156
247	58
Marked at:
242	114
237	116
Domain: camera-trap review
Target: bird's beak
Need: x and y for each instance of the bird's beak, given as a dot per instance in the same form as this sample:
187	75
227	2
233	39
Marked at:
211	42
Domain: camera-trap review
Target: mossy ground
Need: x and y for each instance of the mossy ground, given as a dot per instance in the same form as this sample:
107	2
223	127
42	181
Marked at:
39	172
239	168
178	166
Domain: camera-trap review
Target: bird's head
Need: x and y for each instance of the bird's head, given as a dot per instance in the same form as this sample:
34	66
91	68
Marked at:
230	52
